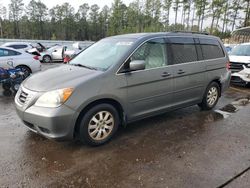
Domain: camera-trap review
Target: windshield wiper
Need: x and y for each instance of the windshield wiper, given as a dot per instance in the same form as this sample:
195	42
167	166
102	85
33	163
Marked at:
84	66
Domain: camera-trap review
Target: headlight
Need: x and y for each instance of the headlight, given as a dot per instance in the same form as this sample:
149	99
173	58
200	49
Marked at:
53	99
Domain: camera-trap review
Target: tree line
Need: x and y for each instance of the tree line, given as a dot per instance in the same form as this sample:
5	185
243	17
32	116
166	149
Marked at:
64	22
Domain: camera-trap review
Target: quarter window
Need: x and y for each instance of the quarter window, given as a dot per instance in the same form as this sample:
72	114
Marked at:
183	50
211	49
153	52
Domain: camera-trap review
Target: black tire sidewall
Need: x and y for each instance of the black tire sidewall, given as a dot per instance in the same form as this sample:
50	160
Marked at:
6	86
83	127
44	57
204	105
27	69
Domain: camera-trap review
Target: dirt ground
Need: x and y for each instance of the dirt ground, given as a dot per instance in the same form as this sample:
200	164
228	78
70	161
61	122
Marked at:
184	148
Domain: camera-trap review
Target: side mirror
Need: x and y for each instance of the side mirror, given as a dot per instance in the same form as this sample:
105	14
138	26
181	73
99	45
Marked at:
137	65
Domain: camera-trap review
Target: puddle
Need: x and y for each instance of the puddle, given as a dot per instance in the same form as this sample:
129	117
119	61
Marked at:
212	117
223	113
229	108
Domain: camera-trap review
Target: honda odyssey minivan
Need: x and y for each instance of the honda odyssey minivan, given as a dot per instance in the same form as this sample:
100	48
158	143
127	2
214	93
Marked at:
122	79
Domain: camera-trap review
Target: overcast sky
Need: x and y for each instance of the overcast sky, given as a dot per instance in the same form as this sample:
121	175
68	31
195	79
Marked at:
100	3
74	3
77	3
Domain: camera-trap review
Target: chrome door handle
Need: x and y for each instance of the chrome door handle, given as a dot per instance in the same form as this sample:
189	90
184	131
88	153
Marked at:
165	74
181	72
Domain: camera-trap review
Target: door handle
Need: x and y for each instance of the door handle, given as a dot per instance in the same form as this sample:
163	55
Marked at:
165	74
181	72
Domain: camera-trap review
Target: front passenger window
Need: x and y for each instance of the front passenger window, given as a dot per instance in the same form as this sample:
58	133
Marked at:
153	52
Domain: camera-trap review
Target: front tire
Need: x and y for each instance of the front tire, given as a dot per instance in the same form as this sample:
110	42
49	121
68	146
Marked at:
6	86
211	97
99	124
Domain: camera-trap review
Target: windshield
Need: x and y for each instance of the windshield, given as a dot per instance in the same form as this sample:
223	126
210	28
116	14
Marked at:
103	54
241	50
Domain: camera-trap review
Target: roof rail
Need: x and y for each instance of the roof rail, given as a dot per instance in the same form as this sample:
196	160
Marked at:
191	32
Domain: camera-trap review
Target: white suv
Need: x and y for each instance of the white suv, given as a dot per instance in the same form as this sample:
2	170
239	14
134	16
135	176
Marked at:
240	64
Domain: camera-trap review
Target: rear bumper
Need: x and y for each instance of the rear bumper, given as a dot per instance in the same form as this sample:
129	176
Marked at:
36	67
225	82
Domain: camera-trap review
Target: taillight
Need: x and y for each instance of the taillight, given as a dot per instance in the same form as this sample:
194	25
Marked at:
228	66
36	57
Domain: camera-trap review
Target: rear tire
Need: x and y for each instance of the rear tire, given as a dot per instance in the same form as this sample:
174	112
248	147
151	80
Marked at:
211	97
26	70
99	125
47	59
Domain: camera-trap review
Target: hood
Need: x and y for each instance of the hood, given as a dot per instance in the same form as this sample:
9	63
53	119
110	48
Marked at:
239	59
59	77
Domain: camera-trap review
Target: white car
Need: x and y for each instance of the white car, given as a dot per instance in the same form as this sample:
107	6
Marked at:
20	59
239	56
240	63
52	54
18	45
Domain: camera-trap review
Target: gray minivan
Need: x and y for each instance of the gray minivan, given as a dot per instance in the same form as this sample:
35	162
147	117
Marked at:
122	79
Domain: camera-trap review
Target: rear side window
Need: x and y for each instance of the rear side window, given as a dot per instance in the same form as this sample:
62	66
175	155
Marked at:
5	52
211	49
183	50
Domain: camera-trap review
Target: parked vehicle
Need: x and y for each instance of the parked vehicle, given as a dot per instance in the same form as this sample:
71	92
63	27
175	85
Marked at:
18	45
122	79
11	78
229	47
242	77
239	56
58	53
240	63
28	63
53	54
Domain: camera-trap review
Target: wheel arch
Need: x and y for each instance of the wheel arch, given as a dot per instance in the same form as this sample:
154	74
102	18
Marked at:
110	101
48	55
217	80
22	65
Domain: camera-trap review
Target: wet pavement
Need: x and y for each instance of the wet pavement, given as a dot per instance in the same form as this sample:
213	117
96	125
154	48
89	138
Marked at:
184	148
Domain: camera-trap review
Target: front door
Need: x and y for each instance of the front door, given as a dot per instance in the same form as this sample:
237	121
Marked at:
149	91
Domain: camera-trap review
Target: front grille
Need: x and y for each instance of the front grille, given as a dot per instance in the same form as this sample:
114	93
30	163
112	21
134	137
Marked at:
30	125
236	67
23	97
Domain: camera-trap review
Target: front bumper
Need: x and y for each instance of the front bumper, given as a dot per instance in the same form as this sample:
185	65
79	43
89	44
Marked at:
237	80
54	123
